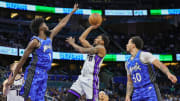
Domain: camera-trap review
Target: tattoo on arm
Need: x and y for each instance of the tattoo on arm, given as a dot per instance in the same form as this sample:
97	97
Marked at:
92	50
163	68
129	89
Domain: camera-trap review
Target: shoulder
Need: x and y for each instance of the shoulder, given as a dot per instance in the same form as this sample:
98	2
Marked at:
145	54
34	43
101	50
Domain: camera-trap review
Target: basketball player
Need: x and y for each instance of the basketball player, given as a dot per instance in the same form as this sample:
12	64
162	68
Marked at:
88	82
40	46
101	95
12	92
140	73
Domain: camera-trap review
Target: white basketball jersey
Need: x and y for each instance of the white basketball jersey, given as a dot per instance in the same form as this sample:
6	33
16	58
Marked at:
13	93
92	65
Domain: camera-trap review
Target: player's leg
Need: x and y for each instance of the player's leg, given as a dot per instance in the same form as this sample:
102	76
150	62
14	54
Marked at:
75	91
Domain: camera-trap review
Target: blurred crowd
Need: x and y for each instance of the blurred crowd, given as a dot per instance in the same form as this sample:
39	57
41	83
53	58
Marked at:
13	35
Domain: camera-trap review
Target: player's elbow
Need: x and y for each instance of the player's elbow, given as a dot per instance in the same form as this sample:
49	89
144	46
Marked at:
81	39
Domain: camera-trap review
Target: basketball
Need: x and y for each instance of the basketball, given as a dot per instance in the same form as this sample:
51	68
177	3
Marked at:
95	19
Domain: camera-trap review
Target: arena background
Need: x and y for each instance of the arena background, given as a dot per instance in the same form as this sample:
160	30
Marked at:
156	21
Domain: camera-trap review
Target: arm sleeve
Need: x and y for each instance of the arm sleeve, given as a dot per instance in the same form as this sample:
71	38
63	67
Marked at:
147	57
127	69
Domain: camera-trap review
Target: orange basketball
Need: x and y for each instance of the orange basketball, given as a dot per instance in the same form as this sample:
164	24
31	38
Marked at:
95	19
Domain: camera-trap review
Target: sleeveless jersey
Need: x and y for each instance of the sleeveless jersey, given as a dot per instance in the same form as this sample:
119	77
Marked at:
42	57
92	65
141	74
13	93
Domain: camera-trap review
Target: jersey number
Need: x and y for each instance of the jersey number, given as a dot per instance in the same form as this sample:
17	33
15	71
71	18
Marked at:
137	77
90	58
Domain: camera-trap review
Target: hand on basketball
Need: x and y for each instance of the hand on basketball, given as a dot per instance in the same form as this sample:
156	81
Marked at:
75	7
70	40
95	26
172	77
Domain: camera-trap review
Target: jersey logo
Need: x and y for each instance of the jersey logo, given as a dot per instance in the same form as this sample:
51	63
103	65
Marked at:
46	47
150	88
135	68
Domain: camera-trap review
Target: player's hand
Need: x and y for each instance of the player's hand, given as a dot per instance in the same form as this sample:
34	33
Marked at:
127	98
70	40
75	7
95	26
172	77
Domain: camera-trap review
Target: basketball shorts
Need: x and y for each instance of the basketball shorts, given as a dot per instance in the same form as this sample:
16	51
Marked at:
35	84
86	85
149	92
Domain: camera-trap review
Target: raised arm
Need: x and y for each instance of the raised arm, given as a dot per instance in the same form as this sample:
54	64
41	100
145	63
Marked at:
165	70
62	23
31	46
100	50
84	35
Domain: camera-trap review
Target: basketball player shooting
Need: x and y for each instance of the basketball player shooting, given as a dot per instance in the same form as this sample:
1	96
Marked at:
40	46
88	82
141	84
12	92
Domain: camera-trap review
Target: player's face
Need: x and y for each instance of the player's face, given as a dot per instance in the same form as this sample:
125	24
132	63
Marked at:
129	46
98	40
101	96
44	27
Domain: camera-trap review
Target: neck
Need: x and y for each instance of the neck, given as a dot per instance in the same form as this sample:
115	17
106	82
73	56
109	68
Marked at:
134	52
42	35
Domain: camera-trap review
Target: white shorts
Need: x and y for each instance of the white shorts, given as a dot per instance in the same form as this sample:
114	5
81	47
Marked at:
86	85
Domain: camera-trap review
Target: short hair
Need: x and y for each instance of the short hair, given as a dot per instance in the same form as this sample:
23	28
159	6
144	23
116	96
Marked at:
35	24
138	42
105	38
102	92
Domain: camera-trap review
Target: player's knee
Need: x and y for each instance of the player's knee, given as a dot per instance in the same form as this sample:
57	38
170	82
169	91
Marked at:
71	97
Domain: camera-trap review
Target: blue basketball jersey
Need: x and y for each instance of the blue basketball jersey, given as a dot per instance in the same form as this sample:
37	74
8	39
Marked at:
141	74
42	57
